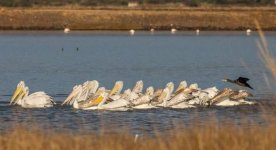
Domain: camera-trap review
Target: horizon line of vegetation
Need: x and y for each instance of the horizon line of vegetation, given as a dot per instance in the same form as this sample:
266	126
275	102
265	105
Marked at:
193	3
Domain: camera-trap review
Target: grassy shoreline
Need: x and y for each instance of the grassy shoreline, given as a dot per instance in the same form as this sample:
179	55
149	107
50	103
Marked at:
141	18
209	137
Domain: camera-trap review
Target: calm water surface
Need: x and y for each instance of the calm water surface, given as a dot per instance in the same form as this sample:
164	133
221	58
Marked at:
54	62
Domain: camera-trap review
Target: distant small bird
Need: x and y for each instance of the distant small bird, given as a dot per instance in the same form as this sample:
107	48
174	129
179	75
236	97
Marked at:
151	28
66	30
62	49
197	31
248	32
77	49
132	31
241	81
173	30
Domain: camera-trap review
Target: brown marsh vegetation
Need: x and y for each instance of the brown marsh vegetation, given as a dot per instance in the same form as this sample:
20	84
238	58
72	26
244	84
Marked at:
116	18
210	137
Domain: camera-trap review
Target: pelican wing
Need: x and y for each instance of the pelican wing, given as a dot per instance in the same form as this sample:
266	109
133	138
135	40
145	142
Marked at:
138	87
38	100
181	97
141	100
116	104
221	96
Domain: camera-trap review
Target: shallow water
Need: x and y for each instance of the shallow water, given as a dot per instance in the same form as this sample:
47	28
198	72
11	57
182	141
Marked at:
54	62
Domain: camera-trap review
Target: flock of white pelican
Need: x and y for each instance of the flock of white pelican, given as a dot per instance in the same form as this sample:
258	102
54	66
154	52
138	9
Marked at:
89	96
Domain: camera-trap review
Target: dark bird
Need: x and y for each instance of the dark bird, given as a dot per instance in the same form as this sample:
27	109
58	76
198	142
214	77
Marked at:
241	81
77	49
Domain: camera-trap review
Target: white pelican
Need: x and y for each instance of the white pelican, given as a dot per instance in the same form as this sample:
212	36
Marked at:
161	101
81	92
182	96
136	91
170	86
151	28
131	32
173	30
35	100
66	30
197	31
97	101
203	97
143	101
248	32
229	97
138	88
91	103
182	86
180	101
80	98
192	88
114	94
121	104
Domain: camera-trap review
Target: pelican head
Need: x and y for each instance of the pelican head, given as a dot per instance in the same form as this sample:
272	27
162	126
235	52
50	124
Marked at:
77	90
103	98
212	92
117	88
19	93
126	94
138	87
194	87
165	95
149	91
182	86
91	86
170	86
100	91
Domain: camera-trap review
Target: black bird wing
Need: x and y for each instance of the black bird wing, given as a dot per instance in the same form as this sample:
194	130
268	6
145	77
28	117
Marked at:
247	85
242	79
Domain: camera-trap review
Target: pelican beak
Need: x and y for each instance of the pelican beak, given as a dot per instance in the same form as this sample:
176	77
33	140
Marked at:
70	97
224	80
96	101
17	93
116	89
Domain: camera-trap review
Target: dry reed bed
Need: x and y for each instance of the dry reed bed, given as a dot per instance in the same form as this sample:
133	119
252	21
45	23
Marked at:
140	19
209	137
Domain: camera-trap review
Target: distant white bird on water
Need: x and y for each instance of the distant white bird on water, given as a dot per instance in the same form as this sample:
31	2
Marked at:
173	30
66	30
197	31
151	28
248	32
132	32
35	100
